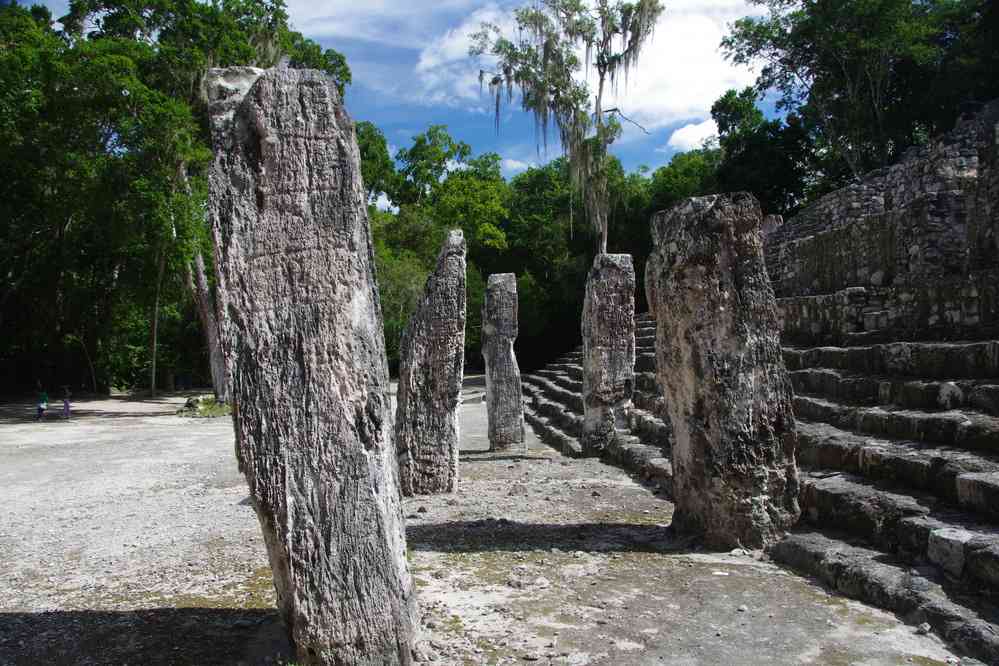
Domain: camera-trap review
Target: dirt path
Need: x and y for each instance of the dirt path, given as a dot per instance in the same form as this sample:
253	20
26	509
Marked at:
125	538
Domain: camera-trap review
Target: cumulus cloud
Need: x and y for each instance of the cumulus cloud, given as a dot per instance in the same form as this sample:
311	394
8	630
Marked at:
692	135
682	71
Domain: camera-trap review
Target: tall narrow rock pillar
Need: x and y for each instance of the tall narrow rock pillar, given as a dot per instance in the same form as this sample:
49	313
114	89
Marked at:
431	365
504	402
304	345
608	350
719	363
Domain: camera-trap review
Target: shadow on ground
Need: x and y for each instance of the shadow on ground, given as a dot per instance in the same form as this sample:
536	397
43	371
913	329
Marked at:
502	534
153	637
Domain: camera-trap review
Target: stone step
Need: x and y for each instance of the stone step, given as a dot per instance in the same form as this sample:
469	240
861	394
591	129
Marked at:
982	395
963	429
556	413
571	357
550	434
647	383
645	362
962	478
925	360
652	430
572	370
869	576
650	402
645	460
916	528
563	380
571	400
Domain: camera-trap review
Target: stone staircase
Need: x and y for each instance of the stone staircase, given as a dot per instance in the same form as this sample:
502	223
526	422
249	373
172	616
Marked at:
899	457
554	408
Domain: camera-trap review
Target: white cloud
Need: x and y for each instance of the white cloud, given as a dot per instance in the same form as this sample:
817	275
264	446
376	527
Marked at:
511	166
682	71
383	203
692	135
396	23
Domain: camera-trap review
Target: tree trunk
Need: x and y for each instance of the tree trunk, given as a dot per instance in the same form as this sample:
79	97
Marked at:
197	282
156	321
304	344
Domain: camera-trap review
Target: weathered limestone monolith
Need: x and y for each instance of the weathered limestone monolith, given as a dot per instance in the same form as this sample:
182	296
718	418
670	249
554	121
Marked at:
608	329
432	360
504	402
719	362
304	344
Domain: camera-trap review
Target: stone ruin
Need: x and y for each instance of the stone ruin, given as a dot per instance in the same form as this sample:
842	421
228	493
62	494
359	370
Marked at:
431	365
608	328
504	406
304	344
718	360
887	296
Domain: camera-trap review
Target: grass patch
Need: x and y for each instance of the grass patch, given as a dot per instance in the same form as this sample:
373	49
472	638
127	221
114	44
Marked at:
205	407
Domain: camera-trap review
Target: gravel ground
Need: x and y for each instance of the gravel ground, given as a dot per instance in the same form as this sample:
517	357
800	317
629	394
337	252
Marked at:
126	538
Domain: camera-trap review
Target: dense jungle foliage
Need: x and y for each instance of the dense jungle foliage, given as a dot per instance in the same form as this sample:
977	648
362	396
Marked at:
104	150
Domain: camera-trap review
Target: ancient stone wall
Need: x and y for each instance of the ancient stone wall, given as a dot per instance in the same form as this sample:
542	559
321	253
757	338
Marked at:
909	251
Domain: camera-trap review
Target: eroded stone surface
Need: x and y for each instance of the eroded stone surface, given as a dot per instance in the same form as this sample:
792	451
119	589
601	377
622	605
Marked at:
608	329
719	364
432	361
304	344
504	402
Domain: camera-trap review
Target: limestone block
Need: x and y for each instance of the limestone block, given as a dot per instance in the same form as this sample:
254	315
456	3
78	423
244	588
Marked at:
432	361
719	362
504	401
945	548
303	342
608	329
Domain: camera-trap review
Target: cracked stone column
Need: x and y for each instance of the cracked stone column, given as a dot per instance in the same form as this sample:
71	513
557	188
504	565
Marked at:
504	401
608	329
719	362
432	361
303	341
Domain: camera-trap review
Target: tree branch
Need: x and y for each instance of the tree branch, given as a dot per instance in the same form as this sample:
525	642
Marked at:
618	112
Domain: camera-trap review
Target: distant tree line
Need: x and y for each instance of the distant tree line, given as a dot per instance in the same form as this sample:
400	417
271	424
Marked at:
104	150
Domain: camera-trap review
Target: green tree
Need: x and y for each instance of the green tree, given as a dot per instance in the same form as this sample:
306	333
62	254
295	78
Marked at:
867	78
424	165
377	168
542	62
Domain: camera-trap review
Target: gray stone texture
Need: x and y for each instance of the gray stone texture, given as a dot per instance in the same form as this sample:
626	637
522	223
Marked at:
908	252
608	328
504	401
719	363
304	345
432	361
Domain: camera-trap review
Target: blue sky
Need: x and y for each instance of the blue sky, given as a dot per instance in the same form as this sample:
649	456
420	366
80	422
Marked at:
411	70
